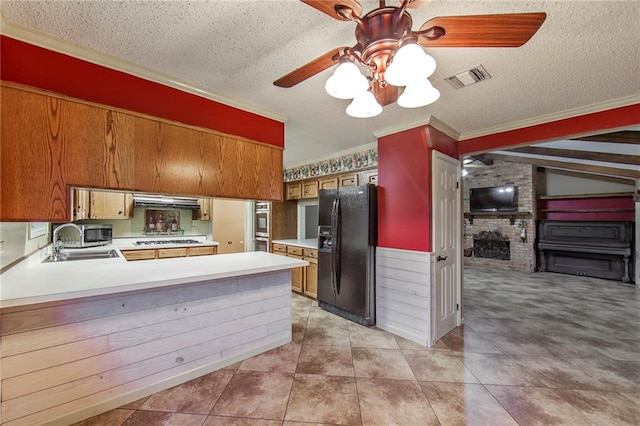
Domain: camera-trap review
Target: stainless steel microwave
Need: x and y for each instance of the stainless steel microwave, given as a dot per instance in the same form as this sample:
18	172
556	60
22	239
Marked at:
93	235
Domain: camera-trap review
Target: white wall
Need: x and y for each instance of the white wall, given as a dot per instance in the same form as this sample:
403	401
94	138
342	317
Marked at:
550	183
15	242
124	228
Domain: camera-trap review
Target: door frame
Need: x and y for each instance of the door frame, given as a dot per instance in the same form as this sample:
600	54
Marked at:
436	155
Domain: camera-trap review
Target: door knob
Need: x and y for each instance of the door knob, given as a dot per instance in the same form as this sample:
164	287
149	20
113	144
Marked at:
441	259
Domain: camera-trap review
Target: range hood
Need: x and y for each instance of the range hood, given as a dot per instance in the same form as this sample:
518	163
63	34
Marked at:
165	202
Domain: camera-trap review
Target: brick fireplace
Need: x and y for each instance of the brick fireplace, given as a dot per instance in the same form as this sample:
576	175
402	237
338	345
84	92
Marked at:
496	241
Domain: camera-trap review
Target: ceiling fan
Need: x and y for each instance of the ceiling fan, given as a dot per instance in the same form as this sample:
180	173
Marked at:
381	33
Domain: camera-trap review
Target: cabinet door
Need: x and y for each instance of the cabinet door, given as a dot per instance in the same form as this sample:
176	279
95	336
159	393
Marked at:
201	251
371	177
108	205
279	248
311	278
80	208
204	213
328	183
172	252
146	254
310	189
297	276
294	191
349	180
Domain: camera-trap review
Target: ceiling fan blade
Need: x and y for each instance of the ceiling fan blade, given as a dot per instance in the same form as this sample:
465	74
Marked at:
386	95
508	30
329	7
415	4
310	69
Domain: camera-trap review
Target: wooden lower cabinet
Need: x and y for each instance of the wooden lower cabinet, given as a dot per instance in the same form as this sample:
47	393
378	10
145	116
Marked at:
145	254
172	252
304	280
297	276
311	278
202	251
167	253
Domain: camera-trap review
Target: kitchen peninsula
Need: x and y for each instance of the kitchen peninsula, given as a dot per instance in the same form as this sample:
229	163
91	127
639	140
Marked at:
82	337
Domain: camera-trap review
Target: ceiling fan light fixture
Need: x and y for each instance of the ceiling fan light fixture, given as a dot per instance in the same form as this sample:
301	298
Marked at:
346	82
364	105
409	64
418	94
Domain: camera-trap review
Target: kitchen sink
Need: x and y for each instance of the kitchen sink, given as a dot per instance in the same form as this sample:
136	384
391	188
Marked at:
84	255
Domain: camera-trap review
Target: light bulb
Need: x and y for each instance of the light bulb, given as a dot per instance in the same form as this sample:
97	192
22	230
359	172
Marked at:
346	81
364	105
418	94
410	63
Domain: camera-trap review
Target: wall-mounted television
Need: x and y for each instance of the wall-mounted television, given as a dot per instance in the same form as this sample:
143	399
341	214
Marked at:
494	199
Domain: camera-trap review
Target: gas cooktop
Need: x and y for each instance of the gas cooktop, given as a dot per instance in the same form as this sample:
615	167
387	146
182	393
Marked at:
163	242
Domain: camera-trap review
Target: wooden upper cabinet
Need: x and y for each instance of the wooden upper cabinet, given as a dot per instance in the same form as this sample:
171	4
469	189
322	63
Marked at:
204	213
294	191
110	205
90	204
348	180
328	183
310	189
52	143
370	176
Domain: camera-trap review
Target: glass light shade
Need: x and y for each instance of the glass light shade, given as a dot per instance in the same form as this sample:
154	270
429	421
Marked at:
346	81
409	64
418	94
364	105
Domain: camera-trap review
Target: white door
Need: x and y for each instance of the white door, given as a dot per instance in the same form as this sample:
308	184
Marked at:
446	243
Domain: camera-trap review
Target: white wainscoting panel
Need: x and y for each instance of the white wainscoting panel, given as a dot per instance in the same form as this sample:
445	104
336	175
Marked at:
403	293
63	362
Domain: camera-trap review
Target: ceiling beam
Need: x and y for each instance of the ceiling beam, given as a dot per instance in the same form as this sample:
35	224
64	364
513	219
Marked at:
581	155
626	136
586	168
582	175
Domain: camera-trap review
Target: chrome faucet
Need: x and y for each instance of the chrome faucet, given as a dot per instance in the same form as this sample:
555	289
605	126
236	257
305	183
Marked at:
56	246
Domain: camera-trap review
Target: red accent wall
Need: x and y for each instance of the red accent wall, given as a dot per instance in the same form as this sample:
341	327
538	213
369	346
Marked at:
37	67
404	186
568	127
588	208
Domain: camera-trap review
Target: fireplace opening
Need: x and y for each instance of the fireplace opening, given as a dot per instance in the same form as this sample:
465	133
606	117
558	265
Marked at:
491	245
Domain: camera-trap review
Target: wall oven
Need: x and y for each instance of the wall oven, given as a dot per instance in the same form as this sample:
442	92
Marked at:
262	226
262	244
262	219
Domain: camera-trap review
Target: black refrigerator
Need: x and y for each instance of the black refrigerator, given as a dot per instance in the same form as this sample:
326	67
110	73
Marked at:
347	237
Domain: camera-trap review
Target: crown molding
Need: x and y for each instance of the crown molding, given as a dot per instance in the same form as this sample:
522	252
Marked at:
56	44
401	127
354	150
444	128
430	120
547	118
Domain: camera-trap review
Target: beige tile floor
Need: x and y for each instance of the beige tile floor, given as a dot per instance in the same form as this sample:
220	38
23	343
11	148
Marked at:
537	349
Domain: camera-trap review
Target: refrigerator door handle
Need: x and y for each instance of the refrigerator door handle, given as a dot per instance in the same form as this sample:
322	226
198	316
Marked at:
333	246
337	244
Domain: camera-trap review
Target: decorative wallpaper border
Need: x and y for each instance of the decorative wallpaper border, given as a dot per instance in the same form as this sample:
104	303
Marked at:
345	163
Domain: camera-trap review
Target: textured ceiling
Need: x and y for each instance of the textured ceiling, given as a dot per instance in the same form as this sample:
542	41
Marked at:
584	57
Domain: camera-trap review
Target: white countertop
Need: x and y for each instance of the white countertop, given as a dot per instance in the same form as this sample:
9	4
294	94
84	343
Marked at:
32	281
311	243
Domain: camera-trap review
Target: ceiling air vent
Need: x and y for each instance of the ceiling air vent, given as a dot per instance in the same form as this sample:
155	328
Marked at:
469	77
